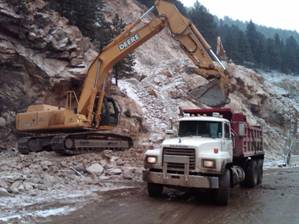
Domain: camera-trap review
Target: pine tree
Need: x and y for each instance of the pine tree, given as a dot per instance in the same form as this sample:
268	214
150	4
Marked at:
235	43
253	39
124	68
290	55
180	6
277	53
263	52
86	15
205	22
244	47
177	3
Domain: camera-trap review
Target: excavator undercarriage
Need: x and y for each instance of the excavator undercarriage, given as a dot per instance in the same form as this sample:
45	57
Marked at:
74	143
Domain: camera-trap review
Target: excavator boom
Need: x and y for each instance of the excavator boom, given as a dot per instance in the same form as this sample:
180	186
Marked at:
181	28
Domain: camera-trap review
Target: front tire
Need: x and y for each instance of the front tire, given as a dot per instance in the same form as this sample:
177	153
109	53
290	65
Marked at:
154	190
223	193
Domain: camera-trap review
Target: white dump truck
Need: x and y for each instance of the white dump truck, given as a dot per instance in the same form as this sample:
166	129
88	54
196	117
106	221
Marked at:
214	149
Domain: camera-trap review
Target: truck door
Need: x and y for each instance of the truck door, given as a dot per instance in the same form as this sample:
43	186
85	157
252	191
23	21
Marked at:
228	144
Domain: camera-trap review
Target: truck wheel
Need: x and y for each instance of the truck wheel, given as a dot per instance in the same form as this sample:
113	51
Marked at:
222	194
154	190
260	171
251	174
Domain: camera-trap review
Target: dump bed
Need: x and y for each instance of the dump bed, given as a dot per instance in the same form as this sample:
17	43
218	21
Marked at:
247	139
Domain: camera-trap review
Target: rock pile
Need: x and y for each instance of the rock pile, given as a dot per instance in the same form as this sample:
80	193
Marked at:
45	172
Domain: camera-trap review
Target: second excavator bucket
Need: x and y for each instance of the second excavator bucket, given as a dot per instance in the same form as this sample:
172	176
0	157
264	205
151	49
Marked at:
214	94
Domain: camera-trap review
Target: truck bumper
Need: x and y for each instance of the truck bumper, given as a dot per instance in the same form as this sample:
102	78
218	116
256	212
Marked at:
181	180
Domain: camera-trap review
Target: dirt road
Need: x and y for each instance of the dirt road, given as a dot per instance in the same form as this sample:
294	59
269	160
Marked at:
275	202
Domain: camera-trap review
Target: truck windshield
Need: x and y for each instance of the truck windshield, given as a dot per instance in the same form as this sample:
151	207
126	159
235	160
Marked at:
208	129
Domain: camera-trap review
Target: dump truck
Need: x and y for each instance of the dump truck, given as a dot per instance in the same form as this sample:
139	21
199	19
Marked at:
214	149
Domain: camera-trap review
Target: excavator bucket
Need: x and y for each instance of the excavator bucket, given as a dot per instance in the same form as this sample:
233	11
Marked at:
214	94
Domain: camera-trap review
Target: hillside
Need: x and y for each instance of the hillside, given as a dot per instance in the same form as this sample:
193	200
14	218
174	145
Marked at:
166	84
47	58
42	56
269	32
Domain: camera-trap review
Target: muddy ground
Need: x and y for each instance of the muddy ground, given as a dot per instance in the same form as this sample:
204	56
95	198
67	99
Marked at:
276	201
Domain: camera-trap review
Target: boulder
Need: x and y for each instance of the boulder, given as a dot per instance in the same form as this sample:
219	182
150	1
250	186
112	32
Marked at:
4	192
108	154
120	162
48	179
46	164
17	187
128	173
95	169
3	184
2	122
28	186
115	171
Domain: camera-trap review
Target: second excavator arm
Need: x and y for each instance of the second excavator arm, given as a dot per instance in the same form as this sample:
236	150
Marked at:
182	29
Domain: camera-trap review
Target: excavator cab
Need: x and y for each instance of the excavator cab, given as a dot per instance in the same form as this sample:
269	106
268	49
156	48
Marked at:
110	113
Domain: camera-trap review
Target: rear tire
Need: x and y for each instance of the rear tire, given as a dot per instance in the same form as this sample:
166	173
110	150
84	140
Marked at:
23	150
223	193
251	174
154	190
260	171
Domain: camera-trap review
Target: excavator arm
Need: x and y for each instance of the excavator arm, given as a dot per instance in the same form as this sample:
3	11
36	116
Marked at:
97	76
182	29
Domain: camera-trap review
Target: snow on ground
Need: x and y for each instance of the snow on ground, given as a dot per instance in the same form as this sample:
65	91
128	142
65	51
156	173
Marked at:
25	209
283	85
36	214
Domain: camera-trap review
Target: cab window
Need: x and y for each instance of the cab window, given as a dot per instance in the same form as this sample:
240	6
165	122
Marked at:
227	131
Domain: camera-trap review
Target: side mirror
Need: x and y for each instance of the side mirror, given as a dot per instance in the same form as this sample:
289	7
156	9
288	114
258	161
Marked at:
169	134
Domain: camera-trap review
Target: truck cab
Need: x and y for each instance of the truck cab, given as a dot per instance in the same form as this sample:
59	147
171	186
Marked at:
201	155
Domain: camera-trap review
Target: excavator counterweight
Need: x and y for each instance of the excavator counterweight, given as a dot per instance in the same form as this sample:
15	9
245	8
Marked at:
85	123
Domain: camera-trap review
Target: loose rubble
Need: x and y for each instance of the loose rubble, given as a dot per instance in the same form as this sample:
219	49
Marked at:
36	175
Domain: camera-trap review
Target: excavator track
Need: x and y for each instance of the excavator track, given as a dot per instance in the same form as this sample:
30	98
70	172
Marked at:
74	143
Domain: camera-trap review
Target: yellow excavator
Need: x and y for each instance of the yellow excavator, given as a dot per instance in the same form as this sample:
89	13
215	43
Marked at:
85	124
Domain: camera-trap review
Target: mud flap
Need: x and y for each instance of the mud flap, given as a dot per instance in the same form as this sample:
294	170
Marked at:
212	94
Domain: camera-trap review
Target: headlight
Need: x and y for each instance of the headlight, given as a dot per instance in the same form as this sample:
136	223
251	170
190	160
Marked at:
208	163
151	159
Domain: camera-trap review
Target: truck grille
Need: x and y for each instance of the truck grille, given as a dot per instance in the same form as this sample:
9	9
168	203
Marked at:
180	152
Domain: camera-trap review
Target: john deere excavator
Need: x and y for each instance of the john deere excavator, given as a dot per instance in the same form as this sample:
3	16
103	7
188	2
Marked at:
85	124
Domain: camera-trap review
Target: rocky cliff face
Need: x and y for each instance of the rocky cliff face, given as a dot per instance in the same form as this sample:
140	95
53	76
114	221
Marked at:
38	50
258	99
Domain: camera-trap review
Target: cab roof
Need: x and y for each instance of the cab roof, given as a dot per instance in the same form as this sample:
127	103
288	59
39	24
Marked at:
204	118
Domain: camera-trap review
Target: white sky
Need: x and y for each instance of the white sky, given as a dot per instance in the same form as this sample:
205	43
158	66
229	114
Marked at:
277	14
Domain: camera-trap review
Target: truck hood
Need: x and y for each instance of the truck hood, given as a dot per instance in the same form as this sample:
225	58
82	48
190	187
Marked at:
191	142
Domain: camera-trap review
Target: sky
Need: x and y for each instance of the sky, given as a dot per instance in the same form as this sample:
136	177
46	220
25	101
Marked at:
277	14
